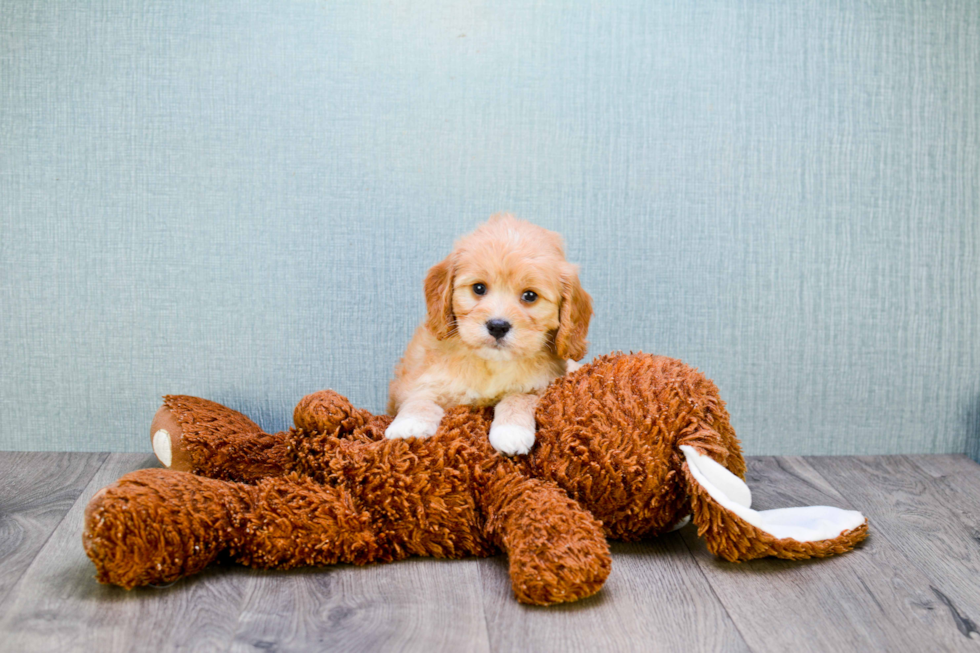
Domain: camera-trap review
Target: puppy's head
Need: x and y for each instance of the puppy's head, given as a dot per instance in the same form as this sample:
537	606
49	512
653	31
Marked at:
507	292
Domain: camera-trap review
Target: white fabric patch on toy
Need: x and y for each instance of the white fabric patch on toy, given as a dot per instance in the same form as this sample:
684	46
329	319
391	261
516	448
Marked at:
161	447
805	524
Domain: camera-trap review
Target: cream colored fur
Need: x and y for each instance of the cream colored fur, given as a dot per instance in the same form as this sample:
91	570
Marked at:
453	359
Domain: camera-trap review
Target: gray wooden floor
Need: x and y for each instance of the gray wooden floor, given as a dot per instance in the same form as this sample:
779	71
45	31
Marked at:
913	586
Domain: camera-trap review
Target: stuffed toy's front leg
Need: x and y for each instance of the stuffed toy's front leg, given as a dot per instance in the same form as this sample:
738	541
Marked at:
155	526
203	437
328	412
557	550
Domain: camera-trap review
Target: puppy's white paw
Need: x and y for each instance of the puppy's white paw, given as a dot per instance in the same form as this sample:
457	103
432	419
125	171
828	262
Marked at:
409	426
511	440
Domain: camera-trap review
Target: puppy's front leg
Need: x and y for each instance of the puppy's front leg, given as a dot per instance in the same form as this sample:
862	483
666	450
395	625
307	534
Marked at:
512	431
418	417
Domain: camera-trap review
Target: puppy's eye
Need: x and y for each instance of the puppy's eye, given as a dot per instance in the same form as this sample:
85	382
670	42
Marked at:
529	296
480	288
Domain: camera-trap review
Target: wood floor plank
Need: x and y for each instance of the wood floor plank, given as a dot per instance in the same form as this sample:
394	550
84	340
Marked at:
413	605
58	606
603	622
911	587
654	600
36	491
870	599
672	599
956	479
932	519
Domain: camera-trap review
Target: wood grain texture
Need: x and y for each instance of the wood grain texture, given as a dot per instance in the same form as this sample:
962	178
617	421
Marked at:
58	606
931	518
956	480
413	605
910	587
672	599
36	490
870	599
603	622
655	600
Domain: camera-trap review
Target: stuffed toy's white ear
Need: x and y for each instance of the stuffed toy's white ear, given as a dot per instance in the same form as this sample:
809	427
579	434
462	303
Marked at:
721	507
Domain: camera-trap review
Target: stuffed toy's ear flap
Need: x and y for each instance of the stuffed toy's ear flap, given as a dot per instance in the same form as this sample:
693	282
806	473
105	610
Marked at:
720	503
439	298
573	317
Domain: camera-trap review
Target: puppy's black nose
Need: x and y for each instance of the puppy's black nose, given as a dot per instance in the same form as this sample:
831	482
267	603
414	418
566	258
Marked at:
498	328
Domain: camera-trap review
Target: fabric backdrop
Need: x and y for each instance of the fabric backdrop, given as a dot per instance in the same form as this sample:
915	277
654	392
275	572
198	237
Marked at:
240	200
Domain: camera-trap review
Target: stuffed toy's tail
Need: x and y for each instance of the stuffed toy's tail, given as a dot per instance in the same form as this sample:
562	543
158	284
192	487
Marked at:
721	508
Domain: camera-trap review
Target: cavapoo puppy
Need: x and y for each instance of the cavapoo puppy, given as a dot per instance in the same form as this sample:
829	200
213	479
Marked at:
506	312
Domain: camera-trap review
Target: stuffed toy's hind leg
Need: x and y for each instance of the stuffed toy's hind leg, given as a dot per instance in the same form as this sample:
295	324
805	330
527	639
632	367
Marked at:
154	526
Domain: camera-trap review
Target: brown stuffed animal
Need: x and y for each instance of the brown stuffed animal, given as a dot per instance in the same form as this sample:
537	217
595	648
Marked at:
627	447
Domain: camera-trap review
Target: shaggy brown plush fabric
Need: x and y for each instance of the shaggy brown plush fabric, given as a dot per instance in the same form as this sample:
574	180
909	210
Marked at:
730	537
332	489
209	440
609	436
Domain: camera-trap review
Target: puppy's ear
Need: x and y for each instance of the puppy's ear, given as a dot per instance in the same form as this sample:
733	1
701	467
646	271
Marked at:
573	317
439	298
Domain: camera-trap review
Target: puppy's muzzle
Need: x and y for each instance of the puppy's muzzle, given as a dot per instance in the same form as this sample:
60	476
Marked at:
498	328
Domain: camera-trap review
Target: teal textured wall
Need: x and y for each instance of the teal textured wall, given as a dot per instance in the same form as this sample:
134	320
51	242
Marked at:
240	200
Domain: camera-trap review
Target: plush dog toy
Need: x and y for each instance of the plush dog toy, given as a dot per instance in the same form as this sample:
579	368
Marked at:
627	447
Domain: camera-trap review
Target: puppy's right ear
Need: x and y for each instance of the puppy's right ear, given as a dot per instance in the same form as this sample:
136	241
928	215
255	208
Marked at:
439	298
573	315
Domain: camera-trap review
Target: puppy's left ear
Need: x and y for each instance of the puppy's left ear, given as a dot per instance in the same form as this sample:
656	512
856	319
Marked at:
439	298
573	317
